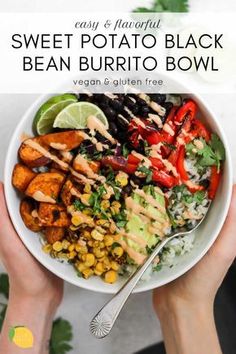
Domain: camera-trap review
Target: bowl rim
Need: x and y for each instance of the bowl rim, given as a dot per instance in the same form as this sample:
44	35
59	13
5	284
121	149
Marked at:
145	285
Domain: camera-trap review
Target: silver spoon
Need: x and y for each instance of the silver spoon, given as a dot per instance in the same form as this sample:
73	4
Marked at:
104	320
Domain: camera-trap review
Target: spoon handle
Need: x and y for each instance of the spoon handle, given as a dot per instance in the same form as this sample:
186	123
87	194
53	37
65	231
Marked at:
104	320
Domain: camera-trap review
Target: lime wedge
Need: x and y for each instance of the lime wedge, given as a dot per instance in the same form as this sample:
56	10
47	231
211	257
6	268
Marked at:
76	114
44	118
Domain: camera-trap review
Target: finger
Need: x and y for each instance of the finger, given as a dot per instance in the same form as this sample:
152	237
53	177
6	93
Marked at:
225	246
8	235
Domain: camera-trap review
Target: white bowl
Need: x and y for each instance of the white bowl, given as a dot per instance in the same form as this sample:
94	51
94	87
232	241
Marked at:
205	236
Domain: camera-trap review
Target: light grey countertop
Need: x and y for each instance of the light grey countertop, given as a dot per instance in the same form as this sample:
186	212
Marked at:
137	325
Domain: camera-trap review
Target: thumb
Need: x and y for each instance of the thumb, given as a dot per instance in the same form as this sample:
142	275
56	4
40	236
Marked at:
224	249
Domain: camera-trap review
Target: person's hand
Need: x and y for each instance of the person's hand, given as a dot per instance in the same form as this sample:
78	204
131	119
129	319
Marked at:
35	293
27	277
192	295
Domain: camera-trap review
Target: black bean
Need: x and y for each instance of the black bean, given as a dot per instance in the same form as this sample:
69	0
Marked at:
110	113
140	101
137	180
167	106
144	111
158	97
127	190
116	105
122	122
129	102
98	97
113	128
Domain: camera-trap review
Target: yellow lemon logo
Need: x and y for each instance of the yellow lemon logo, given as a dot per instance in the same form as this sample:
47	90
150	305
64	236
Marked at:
21	336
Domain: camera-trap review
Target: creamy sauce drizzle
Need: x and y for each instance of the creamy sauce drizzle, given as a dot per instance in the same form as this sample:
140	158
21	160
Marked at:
41	197
167	128
87	169
139	210
156	119
94	124
58	146
141	157
33	144
166	163
150	200
139	258
139	122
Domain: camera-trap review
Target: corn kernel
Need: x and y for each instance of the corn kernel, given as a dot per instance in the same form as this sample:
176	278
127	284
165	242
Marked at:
77	220
83	250
114	265
81	266
85	198
71	248
87	188
105	204
47	248
108	240
102	244
86	234
89	260
65	244
57	246
87	273
118	251
72	255
110	276
98	253
122	179
106	264
91	243
116	204
103	223
97	235
101	230
99	267
87	212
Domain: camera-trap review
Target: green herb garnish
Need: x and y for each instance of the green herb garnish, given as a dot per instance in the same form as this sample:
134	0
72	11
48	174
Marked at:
60	337
157	268
165	6
146	171
212	154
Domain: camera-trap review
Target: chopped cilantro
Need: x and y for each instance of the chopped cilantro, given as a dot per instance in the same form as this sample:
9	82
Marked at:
114	245
211	154
165	6
125	150
120	219
157	268
147	172
79	205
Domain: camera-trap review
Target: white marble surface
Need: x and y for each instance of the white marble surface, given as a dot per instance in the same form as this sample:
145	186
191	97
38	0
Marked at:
137	326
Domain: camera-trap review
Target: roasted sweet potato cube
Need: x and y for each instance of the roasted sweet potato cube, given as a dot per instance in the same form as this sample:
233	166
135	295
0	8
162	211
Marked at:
22	176
64	141
94	165
53	215
31	157
27	207
54	234
45	187
69	191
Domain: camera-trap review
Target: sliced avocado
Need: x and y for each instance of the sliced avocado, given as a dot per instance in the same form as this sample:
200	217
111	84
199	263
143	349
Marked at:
136	226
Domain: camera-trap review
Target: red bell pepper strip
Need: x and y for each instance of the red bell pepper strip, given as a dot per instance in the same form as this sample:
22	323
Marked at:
193	187
156	163
188	109
200	131
119	163
214	182
133	159
164	178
